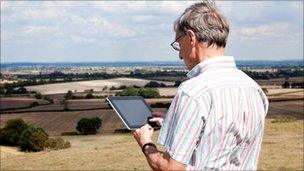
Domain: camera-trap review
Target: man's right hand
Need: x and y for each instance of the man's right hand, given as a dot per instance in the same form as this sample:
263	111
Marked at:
157	117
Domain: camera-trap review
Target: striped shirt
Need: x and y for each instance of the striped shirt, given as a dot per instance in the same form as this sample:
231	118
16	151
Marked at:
216	119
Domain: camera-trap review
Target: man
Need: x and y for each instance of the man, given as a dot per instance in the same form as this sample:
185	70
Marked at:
216	119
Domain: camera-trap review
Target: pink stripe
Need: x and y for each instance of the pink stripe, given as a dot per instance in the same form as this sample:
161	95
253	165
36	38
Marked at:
254	140
210	140
194	138
223	136
214	81
246	152
245	157
229	152
258	150
173	112
213	78
183	109
184	133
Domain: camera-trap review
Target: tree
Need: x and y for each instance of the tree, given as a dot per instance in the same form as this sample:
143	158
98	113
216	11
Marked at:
144	92
286	84
33	139
38	95
10	134
89	96
105	88
69	95
21	90
152	84
88	125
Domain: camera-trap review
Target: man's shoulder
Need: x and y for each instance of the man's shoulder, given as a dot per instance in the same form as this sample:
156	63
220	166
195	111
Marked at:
212	80
194	85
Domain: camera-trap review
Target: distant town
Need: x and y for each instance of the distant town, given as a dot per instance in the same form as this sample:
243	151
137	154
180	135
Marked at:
27	74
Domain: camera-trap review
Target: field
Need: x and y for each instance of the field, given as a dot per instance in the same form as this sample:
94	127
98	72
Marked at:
282	149
19	102
81	86
58	122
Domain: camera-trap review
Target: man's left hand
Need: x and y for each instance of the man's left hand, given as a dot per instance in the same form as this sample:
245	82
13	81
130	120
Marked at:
143	135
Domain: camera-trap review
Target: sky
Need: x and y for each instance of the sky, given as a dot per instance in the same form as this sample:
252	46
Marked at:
112	31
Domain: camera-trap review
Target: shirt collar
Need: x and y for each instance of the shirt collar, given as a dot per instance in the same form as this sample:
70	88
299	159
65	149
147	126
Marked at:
218	61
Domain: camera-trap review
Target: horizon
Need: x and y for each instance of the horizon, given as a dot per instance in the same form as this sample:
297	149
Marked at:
155	61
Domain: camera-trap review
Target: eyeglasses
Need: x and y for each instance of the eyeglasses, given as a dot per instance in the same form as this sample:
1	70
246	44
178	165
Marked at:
175	44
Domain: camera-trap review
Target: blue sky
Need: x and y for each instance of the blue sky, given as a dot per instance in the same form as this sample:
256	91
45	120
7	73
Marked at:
67	31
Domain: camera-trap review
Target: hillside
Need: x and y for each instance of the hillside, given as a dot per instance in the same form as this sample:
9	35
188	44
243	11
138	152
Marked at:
282	149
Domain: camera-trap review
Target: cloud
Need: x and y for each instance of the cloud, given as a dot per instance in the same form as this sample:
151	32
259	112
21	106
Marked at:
134	30
260	31
141	7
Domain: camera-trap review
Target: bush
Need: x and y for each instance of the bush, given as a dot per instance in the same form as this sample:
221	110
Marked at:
69	95
38	95
57	144
155	84
11	133
33	139
88	125
48	99
160	105
145	92
286	84
148	92
34	104
89	96
113	88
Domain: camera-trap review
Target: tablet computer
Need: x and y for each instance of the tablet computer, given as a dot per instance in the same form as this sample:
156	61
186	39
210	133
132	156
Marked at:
132	110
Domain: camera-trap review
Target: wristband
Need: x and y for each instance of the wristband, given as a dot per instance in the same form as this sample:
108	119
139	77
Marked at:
147	144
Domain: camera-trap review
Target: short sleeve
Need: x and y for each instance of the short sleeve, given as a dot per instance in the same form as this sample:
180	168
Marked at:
182	125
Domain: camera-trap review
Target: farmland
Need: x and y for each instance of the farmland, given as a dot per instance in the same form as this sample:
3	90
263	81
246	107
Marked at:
17	103
103	152
58	122
96	85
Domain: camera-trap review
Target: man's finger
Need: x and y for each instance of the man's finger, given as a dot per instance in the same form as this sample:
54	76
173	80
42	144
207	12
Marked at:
155	119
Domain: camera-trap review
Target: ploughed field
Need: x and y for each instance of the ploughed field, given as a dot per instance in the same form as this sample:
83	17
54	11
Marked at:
57	122
19	102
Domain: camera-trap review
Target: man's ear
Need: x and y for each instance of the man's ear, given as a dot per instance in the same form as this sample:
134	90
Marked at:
192	37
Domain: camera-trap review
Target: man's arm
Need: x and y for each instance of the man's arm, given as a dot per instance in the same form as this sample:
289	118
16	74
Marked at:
161	160
156	159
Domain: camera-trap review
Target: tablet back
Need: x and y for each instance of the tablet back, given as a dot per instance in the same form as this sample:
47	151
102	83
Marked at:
133	110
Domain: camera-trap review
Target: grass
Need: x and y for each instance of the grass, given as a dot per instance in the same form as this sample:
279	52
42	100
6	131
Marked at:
283	119
282	149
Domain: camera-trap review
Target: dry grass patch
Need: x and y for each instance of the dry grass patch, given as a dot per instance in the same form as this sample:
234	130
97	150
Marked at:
282	149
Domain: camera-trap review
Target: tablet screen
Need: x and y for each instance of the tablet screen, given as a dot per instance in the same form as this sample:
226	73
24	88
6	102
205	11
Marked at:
132	110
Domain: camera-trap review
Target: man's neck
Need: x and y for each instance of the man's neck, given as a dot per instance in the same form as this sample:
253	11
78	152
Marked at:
210	52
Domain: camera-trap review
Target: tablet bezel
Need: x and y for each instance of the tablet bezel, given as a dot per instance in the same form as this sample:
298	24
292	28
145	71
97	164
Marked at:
113	98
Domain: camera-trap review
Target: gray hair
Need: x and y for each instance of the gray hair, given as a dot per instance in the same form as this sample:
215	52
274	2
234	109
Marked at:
204	19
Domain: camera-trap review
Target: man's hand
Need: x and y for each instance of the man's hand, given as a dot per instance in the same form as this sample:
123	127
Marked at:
143	135
157	117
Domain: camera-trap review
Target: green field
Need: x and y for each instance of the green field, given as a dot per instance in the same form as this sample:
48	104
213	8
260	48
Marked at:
282	149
